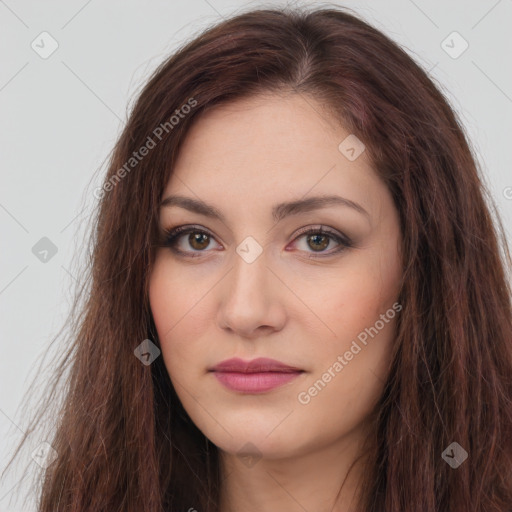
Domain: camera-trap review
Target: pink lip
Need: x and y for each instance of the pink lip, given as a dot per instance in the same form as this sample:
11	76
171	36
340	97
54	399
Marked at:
254	376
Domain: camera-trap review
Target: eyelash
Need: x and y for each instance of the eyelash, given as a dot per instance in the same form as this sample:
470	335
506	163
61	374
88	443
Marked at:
171	236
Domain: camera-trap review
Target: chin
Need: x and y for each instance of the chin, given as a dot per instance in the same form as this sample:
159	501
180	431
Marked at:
257	441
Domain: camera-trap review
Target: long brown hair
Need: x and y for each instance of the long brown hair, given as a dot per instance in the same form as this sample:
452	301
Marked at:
124	441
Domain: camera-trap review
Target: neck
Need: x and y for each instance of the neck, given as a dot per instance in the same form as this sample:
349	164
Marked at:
323	480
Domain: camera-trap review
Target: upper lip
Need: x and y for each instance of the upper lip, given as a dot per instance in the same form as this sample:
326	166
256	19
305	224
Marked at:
259	365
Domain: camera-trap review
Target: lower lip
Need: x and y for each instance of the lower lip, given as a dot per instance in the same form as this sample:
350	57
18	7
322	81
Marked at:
254	382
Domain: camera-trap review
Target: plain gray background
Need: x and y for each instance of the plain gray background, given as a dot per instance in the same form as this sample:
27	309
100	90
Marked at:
61	115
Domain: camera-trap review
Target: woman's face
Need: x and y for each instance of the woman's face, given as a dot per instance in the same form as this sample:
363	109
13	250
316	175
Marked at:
247	283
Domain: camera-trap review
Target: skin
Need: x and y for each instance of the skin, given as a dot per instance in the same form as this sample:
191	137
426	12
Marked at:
243	158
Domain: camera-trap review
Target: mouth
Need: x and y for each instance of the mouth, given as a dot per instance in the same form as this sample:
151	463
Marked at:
256	376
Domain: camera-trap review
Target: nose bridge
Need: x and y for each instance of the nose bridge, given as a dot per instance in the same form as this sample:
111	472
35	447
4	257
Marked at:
249	298
248	281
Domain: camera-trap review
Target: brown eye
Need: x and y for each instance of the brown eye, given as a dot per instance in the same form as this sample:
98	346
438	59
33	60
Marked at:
198	241
189	241
318	242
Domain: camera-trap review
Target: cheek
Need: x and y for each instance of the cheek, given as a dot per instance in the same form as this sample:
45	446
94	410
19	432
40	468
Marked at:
178	295
350	297
349	374
356	303
178	316
363	311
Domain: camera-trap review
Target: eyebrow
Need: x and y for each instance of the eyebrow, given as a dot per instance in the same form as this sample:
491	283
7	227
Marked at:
279	211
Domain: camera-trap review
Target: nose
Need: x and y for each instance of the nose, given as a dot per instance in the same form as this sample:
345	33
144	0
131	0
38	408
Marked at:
251	302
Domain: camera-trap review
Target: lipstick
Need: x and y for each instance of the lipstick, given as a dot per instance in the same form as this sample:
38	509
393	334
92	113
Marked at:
256	376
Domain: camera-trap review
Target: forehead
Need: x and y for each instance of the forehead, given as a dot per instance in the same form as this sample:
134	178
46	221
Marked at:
268	148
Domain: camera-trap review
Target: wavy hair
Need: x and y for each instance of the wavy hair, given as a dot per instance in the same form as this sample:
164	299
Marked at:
124	441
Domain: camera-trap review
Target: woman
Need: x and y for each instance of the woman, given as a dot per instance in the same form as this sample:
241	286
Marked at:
298	299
